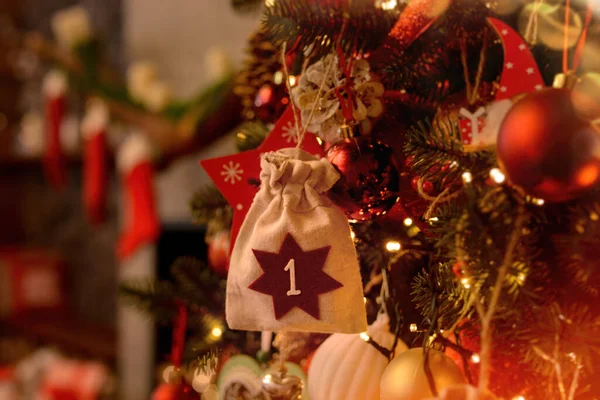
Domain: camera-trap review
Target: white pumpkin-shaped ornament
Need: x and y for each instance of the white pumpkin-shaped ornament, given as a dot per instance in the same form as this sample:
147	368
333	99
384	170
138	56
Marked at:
347	367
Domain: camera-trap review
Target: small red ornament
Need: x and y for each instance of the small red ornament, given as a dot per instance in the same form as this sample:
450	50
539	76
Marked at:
427	185
218	253
270	102
547	149
174	391
458	269
370	179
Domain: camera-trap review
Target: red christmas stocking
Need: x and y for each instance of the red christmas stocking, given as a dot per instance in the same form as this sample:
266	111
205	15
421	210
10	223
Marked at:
94	174
55	88
142	225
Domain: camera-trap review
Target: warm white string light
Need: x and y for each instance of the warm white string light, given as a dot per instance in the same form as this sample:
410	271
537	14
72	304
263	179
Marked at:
497	175
217	332
467	177
393	246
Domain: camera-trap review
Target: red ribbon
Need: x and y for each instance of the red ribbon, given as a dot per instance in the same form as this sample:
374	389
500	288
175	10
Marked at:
580	43
179	329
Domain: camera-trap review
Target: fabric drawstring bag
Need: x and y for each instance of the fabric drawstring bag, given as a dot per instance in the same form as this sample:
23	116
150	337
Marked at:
294	266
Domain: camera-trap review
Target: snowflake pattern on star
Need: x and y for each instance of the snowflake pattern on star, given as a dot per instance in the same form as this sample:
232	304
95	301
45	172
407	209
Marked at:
290	133
232	173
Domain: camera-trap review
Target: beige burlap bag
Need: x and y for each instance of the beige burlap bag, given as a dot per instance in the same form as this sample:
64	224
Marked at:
294	266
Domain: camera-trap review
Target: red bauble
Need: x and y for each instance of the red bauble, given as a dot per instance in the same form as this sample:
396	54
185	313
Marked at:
218	253
270	102
369	181
173	391
547	149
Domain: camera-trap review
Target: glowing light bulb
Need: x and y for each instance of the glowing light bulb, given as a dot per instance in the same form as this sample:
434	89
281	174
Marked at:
475	359
387	4
217	332
408	222
497	175
467	177
365	336
392	246
278	77
538	202
466	283
521	277
292	80
352	235
413	328
365	300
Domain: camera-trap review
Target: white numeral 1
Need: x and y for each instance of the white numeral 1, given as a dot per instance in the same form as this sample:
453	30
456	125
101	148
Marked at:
291	266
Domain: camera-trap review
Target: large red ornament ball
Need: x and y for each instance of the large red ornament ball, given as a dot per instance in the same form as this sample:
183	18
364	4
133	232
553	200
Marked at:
174	391
369	181
547	149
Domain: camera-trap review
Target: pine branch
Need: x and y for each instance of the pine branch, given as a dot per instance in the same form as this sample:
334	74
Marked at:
247	6
209	206
197	285
316	25
437	144
261	62
250	134
579	249
153	298
451	298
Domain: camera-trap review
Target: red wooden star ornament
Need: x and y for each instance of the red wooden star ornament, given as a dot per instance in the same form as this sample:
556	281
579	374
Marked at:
303	270
520	74
237	176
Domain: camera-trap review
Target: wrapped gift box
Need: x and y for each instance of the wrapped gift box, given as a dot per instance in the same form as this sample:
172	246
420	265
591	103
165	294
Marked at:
30	279
68	379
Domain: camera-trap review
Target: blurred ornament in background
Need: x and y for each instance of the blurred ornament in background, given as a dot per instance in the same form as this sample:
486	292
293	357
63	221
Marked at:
30	141
70	139
240	376
543	21
217	63
370	180
547	149
218	252
506	7
281	385
144	86
261	70
174	391
463	392
586	96
405	378
72	27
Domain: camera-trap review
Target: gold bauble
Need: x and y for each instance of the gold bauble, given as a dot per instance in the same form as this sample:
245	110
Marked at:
405	378
464	392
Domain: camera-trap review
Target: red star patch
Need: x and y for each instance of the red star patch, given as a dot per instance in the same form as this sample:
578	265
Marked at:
294	278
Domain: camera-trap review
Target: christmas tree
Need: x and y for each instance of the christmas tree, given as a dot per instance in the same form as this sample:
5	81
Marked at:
458	158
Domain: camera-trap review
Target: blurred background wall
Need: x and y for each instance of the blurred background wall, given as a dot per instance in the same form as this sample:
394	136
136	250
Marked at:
177	35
